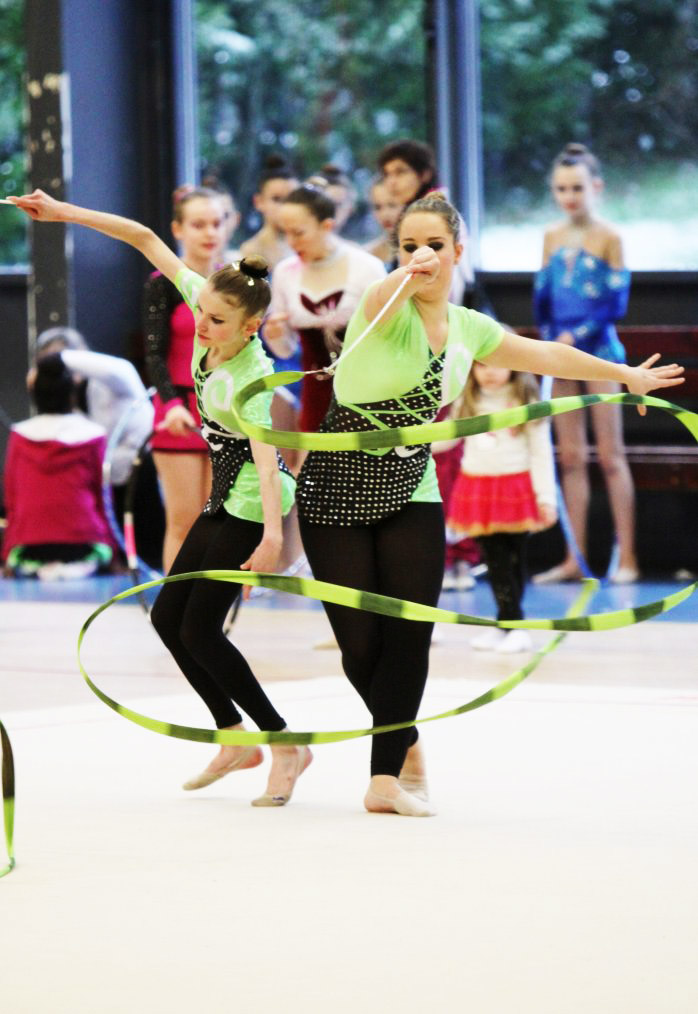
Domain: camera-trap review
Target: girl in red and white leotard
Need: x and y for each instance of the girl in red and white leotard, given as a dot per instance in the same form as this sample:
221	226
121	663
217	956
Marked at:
180	454
315	292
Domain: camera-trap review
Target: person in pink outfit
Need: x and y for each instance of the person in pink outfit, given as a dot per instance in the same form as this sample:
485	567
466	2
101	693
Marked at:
179	451
56	523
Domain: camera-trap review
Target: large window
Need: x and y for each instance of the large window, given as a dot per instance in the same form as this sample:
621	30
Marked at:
618	75
13	239
319	81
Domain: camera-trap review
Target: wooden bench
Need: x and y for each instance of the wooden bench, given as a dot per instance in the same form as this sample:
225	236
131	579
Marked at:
662	454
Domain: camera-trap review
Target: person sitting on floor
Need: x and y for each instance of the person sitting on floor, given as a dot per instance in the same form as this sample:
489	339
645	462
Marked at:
56	524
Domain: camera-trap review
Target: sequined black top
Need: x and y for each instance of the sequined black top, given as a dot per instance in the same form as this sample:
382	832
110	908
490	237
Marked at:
349	488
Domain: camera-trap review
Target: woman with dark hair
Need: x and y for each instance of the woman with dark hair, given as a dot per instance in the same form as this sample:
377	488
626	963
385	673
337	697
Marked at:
56	524
409	170
315	292
276	181
240	526
409	173
340	190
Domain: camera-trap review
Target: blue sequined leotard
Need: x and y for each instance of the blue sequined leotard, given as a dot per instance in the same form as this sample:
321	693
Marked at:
582	294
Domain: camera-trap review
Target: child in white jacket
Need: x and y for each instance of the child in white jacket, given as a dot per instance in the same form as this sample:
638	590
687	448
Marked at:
505	489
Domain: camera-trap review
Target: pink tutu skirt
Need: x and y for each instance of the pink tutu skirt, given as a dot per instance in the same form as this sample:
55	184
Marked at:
487	504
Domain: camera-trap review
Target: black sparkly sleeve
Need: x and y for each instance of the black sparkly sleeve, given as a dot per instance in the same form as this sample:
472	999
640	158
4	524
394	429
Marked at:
160	297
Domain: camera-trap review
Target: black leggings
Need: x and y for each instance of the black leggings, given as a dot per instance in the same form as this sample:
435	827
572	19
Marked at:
505	556
386	659
189	617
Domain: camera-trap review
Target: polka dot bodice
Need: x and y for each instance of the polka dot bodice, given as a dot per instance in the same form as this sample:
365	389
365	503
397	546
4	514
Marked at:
351	488
228	453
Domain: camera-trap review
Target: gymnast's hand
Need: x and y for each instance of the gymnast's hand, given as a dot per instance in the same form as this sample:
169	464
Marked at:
40	206
265	558
424	262
646	377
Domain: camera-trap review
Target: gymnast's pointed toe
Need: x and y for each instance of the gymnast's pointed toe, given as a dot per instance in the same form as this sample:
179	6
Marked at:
301	761
249	757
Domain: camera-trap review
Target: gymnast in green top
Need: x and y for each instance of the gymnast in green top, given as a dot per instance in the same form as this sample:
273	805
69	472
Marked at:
372	520
240	527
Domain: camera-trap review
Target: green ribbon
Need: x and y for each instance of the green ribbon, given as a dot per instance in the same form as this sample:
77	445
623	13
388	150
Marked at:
448	429
380	438
8	798
356	600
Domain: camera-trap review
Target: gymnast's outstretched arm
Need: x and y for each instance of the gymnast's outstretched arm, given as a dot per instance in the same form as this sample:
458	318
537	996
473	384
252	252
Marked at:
568	363
43	208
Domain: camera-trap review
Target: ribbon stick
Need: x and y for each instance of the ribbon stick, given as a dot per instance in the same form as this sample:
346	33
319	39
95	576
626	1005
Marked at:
369	327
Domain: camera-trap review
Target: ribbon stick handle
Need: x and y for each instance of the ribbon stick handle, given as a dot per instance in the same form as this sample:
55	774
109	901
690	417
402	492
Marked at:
381	313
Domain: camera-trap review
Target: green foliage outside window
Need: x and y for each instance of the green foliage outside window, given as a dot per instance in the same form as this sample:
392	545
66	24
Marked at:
333	80
318	81
618	75
13	241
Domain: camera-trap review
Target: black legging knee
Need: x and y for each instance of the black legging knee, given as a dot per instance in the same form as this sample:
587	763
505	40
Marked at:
386	659
189	617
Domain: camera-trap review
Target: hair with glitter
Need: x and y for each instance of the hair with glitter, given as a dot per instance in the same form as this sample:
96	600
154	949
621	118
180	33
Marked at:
244	284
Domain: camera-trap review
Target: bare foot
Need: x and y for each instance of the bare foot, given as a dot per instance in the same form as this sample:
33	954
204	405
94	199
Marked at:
382	791
235	758
415	765
566	571
287	765
229	758
413	776
386	795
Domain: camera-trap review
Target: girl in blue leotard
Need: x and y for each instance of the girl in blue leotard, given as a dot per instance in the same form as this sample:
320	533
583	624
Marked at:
580	292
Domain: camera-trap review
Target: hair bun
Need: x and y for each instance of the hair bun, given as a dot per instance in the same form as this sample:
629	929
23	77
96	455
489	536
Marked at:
254	266
575	153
